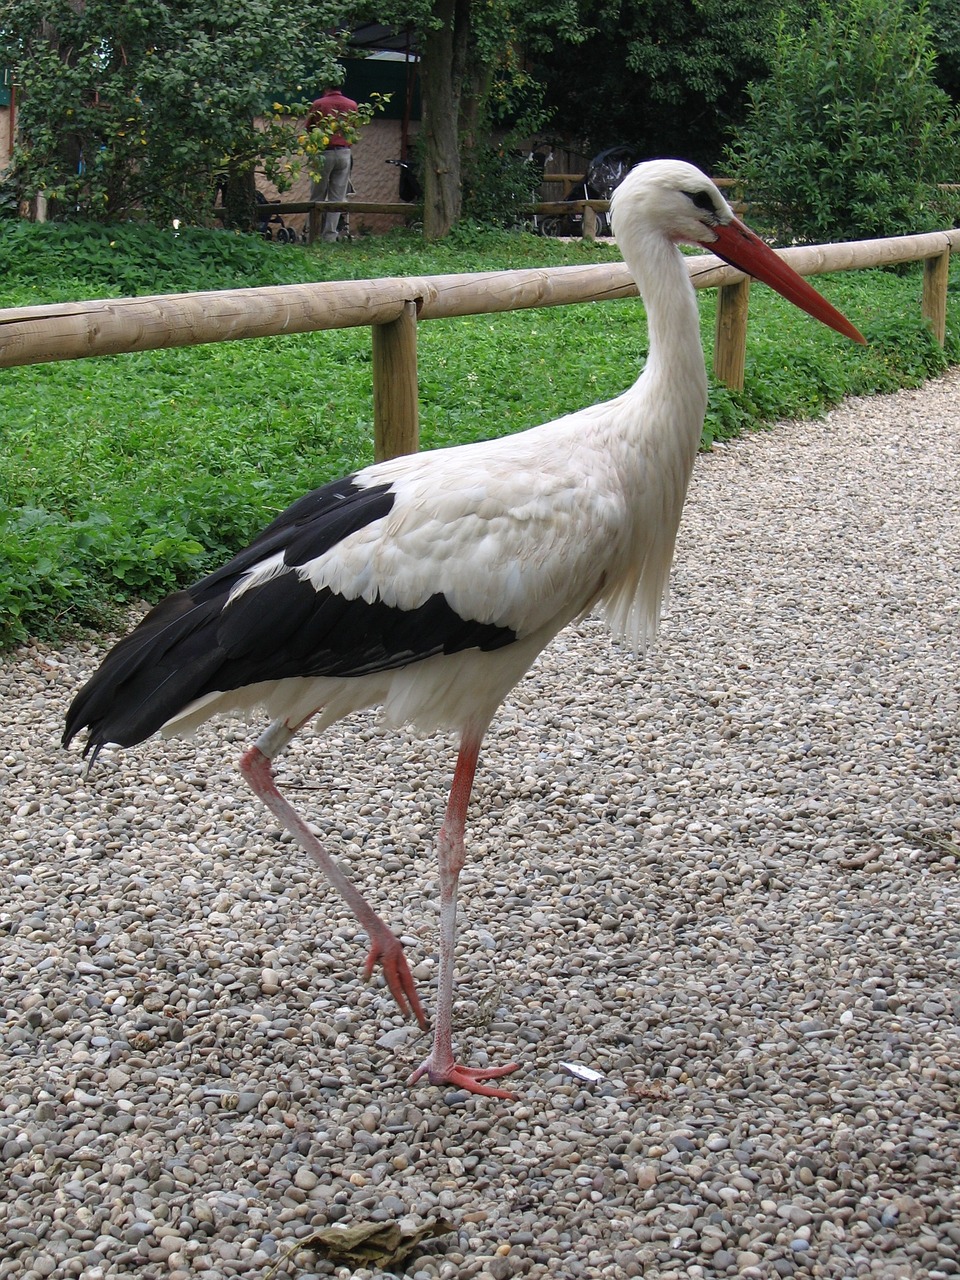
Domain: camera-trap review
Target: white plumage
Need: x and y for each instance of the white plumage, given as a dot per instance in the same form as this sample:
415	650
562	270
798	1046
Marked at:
428	584
518	536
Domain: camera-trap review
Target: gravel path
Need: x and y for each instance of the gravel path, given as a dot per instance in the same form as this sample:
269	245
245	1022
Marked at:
725	877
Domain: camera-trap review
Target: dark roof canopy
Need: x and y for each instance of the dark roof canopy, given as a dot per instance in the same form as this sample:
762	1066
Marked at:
373	37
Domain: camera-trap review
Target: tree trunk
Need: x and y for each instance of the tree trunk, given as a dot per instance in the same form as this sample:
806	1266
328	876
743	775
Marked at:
442	61
239	196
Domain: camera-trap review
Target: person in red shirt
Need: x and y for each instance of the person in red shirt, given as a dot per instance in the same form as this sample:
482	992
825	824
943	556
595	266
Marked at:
337	158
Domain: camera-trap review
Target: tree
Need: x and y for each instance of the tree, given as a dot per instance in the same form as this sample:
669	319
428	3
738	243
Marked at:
667	78
470	64
944	19
144	107
850	135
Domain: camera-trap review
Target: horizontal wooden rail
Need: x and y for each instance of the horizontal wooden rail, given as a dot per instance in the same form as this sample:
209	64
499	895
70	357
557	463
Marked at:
70	330
316	209
581	177
336	206
110	326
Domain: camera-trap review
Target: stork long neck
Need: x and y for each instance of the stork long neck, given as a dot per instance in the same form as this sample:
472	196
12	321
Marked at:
674	375
664	412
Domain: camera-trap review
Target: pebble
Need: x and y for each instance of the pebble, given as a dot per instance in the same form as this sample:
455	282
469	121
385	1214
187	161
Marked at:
723	876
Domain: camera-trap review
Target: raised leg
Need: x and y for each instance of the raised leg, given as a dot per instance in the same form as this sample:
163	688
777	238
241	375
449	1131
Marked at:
440	1066
385	946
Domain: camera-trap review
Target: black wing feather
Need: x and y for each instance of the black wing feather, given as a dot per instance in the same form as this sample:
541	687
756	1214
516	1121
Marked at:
193	643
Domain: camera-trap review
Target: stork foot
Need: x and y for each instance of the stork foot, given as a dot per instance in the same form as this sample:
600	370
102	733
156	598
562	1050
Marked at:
469	1078
387	948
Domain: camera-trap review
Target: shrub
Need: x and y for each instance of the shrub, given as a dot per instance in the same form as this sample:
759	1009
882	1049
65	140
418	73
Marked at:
850	135
496	184
135	109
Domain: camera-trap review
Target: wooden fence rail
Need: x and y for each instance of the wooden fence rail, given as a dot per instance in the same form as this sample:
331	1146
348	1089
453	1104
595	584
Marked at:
585	208
315	209
393	307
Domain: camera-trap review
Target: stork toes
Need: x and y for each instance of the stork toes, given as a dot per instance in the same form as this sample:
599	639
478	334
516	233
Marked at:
387	948
469	1078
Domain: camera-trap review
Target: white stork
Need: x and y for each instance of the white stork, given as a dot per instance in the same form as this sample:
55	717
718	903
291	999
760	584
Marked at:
428	584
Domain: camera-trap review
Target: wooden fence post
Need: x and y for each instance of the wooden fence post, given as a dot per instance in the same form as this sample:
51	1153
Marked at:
396	420
589	225
730	340
933	306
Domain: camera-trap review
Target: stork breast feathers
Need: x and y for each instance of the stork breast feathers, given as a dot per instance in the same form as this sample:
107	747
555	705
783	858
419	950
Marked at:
521	532
511	548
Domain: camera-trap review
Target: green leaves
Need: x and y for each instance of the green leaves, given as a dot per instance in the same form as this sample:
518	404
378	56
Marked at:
850	135
666	77
134	109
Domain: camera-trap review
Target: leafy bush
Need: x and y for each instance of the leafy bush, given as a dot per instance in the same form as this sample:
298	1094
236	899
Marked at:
850	135
496	184
9	204
137	108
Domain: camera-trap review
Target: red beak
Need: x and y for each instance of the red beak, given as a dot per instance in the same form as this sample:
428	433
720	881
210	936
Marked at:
738	245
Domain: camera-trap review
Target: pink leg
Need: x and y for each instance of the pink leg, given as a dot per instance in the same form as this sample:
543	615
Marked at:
440	1066
384	944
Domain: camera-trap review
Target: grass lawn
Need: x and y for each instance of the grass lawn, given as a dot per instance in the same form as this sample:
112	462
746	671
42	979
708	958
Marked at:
124	475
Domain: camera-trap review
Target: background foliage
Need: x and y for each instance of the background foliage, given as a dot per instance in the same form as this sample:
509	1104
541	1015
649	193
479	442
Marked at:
137	109
849	136
944	19
497	183
667	78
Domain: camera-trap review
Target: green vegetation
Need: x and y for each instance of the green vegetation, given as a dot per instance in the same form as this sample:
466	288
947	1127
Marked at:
850	135
142	109
123	476
667	78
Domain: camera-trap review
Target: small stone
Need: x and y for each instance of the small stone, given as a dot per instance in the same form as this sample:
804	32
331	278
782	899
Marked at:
269	982
305	1179
202	1210
646	1176
394	1038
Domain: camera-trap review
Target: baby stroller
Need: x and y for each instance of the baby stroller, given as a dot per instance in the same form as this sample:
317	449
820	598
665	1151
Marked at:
604	174
270	225
410	190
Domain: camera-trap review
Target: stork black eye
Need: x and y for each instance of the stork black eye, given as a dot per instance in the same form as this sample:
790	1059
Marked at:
702	200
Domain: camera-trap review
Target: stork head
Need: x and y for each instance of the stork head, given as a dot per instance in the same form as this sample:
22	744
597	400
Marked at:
672	197
675	200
